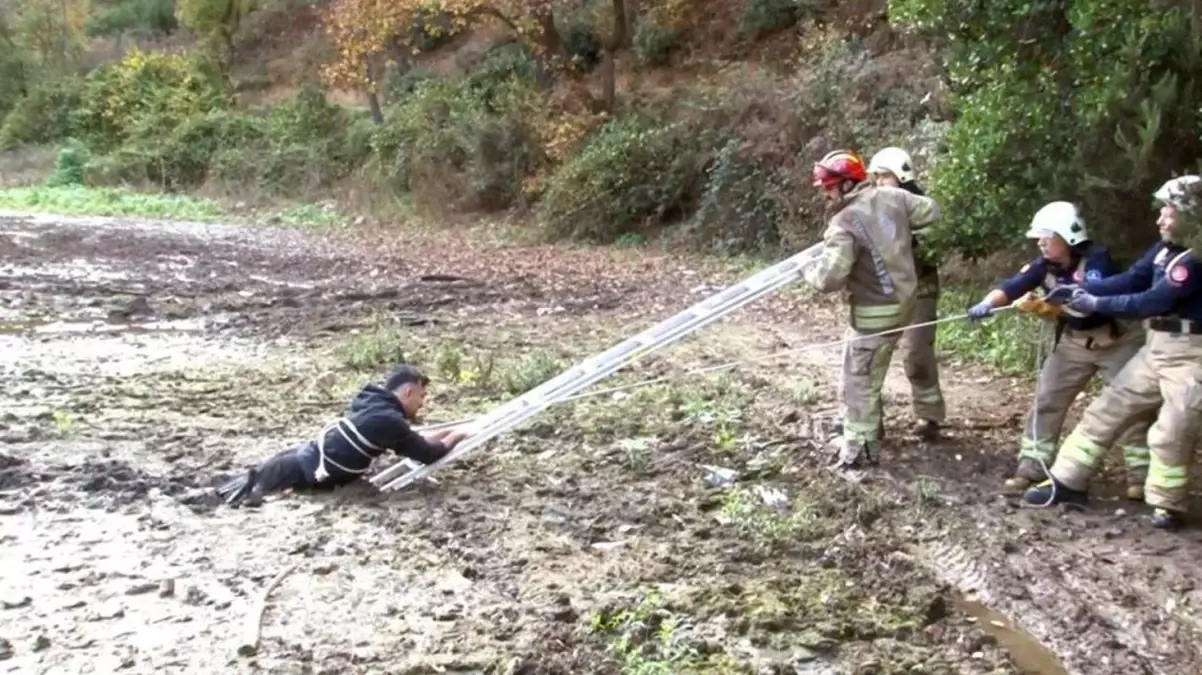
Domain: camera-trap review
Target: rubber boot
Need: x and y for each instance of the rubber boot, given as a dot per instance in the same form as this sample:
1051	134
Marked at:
927	430
1029	472
1053	492
1165	519
1135	485
855	455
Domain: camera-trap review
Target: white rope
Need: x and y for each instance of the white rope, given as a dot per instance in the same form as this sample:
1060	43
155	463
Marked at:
728	365
1035	416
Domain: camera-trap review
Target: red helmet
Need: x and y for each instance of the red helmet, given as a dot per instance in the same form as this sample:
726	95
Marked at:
838	166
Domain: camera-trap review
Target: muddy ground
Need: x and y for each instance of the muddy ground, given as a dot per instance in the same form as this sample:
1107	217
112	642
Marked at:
142	362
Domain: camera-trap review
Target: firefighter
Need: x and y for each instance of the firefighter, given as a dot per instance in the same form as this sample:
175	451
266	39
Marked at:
1083	346
1162	383
868	254
893	167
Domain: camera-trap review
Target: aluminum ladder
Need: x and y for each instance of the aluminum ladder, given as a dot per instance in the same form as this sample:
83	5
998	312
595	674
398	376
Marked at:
589	371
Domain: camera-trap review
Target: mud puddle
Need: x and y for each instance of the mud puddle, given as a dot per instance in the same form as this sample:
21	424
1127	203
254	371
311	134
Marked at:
1028	654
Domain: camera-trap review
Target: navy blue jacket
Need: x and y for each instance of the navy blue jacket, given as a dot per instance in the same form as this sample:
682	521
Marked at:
1165	282
374	424
1089	263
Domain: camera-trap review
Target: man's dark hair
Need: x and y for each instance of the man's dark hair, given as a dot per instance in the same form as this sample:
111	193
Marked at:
405	374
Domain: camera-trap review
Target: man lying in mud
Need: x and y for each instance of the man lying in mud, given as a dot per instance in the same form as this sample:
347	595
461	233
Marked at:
378	420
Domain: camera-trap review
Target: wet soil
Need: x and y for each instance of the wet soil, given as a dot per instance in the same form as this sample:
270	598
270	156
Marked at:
143	362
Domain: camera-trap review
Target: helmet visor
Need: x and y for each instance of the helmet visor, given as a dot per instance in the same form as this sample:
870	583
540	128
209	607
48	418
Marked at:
1040	233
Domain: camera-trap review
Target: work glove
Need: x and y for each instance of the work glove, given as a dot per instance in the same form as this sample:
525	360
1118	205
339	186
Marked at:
1037	306
1075	300
980	310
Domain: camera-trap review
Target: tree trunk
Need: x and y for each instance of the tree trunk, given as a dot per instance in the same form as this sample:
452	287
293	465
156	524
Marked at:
608	80
373	100
550	38
622	31
400	55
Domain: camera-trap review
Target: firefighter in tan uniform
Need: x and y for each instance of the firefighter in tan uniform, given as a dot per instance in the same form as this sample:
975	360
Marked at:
1084	346
868	254
1162	383
893	167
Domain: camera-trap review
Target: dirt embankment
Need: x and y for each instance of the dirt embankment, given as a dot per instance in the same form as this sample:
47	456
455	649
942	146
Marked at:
142	361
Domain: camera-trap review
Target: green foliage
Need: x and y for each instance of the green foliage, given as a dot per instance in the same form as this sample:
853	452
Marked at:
654	41
216	20
630	176
43	115
49	34
12	81
145	95
740	208
69	166
580	38
1096	102
1007	342
466	144
757	17
140	17
75	199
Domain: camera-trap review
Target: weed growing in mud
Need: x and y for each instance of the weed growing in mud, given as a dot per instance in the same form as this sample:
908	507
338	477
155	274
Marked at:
79	200
520	375
928	491
647	639
310	214
448	362
636	453
381	347
769	527
63	422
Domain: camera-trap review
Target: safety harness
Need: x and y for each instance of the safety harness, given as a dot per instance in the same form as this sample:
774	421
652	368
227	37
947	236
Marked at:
359	443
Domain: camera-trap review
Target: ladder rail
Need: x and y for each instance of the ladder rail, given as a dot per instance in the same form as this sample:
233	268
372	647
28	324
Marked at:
601	365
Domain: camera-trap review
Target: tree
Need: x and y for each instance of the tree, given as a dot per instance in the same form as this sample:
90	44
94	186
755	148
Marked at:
368	33
217	21
52	32
1095	101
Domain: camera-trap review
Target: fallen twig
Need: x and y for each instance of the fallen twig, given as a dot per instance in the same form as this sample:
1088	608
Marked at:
254	621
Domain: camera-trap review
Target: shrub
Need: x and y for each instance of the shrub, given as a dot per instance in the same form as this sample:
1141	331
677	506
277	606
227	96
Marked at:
141	17
145	95
1092	102
654	42
463	145
69	167
757	17
43	115
630	176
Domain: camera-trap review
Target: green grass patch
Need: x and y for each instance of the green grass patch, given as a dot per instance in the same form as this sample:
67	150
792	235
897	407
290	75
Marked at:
1006	342
79	200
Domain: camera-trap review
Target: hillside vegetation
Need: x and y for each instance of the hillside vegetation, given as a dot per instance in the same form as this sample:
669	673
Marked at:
615	120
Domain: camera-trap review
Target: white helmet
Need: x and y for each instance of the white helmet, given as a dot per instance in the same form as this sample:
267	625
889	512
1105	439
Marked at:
1061	218
1180	193
894	160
